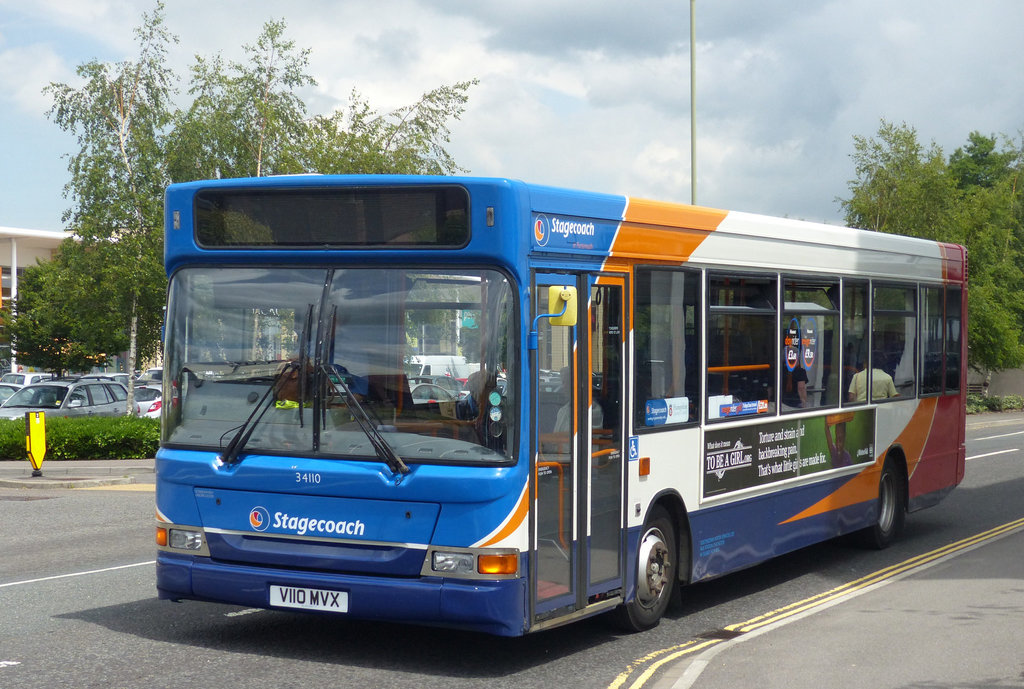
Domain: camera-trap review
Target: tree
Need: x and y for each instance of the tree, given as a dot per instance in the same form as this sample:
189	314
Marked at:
410	140
246	120
901	187
49	330
972	199
978	164
119	116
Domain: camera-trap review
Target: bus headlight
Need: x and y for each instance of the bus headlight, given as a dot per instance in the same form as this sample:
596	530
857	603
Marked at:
473	563
453	563
183	539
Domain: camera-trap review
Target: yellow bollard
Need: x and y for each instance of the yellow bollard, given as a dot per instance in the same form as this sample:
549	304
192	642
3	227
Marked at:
35	440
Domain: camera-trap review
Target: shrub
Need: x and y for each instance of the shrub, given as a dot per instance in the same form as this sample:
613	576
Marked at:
976	404
1013	402
121	437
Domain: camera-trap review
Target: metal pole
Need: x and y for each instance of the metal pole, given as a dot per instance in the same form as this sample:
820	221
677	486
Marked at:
693	103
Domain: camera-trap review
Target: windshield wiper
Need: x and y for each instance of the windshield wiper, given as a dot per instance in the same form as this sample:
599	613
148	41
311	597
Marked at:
241	437
366	424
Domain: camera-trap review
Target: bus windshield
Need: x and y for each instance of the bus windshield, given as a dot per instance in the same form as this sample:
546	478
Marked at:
304	358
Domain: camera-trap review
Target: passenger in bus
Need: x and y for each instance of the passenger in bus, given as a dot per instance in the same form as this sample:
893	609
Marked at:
881	384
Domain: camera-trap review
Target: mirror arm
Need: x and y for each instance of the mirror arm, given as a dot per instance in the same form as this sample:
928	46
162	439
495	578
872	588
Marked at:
532	341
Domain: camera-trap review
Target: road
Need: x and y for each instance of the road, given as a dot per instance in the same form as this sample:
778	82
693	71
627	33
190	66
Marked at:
78	609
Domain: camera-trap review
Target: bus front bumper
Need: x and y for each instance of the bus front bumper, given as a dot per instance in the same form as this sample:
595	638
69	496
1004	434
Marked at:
494	607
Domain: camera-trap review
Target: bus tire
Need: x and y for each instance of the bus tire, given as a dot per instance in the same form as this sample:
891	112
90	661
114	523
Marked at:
655	574
892	508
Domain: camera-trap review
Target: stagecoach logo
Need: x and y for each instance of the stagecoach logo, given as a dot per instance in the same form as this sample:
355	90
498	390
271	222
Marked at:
572	234
259	518
282	522
541	230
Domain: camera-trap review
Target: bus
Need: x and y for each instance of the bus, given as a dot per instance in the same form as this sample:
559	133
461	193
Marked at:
656	395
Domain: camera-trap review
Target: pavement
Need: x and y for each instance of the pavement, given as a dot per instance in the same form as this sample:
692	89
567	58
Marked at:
76	473
937	621
955	623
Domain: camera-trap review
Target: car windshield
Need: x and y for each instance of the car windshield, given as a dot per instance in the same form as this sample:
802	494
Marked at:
38	396
232	332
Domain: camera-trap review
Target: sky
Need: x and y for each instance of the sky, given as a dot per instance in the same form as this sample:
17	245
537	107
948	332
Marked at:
588	94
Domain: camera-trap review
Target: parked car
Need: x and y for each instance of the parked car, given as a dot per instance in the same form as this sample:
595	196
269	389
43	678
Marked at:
25	378
122	378
148	401
68	397
151	376
428	392
452	385
6	390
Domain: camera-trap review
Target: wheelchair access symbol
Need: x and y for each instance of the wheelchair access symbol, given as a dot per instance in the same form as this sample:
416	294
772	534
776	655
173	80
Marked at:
634	448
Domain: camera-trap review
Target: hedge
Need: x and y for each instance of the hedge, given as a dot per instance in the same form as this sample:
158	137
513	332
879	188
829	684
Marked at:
97	437
977	404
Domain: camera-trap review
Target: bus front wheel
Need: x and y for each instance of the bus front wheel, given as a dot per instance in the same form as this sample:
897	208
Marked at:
655	573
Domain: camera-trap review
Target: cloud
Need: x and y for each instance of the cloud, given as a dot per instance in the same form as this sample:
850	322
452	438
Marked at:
595	94
25	71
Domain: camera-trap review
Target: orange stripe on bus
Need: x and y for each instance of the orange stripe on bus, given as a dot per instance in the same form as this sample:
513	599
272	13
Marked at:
656	230
647	212
864	486
512	524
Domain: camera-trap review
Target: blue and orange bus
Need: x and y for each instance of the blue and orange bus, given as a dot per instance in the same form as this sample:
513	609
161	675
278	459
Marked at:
655	395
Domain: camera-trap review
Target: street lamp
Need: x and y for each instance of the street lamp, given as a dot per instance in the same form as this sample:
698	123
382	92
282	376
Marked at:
693	104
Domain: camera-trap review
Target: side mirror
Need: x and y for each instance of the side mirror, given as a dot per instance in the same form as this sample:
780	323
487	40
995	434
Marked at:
562	301
561	311
74	403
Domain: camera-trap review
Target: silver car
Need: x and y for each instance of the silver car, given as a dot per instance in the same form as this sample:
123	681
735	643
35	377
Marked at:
68	397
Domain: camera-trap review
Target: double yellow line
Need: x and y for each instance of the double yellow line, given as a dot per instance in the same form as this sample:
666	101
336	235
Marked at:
668	655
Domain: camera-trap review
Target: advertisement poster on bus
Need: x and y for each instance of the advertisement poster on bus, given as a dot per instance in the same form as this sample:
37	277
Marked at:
751	456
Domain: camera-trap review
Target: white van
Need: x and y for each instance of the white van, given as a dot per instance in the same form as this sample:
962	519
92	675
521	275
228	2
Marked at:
25	378
440	365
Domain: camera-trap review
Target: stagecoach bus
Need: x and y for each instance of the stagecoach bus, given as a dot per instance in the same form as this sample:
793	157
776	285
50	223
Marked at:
656	394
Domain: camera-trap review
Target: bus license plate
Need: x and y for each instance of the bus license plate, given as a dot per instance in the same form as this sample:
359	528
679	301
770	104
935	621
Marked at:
308	599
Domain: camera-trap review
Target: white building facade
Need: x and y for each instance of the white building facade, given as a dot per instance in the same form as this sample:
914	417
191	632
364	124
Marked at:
19	249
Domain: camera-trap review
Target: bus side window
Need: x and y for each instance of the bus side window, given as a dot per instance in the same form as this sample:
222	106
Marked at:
855	337
810	345
742	354
666	326
894	340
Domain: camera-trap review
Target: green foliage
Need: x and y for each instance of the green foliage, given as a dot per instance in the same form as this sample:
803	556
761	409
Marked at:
974	199
978	404
409	140
118	175
245	119
104	294
901	187
122	437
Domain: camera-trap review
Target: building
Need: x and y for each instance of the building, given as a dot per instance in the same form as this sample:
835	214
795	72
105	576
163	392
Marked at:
20	248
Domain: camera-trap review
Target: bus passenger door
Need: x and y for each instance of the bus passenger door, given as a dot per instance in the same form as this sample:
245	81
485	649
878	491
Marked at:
578	412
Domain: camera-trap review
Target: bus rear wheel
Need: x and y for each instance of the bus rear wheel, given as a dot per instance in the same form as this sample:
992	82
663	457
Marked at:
892	508
655	574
